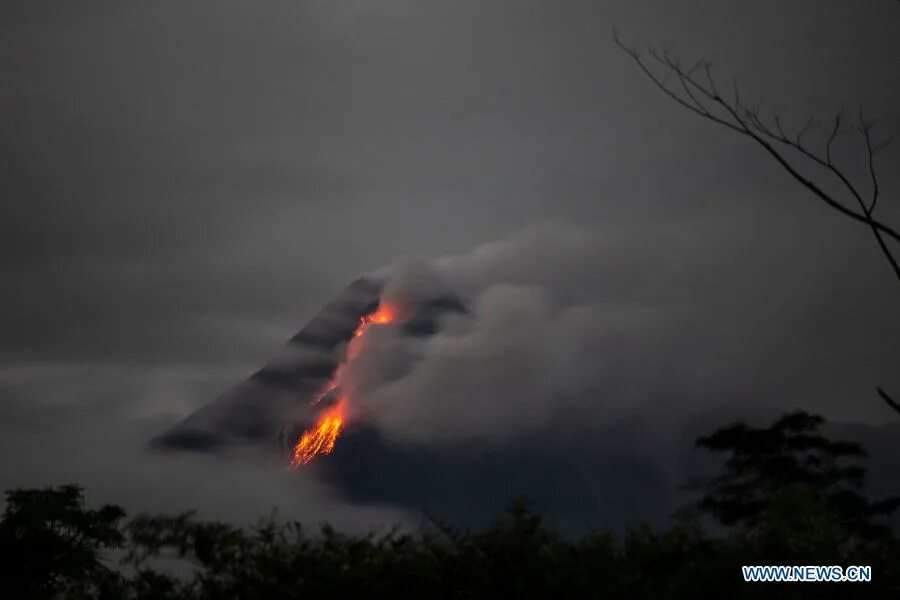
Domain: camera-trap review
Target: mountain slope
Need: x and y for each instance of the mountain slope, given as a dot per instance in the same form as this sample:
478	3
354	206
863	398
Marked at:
254	410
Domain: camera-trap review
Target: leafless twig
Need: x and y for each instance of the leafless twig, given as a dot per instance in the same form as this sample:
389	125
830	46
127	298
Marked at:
890	401
696	90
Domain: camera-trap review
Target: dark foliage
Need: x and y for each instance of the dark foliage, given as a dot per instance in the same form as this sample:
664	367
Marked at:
51	546
784	497
790	457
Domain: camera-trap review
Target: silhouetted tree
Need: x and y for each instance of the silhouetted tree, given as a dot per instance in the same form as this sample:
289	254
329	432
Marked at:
784	496
52	546
788	461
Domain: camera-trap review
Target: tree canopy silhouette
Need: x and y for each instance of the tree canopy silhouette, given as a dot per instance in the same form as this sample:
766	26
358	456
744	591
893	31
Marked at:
783	496
51	545
791	457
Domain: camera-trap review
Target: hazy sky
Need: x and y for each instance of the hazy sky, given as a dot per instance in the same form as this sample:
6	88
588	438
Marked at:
185	183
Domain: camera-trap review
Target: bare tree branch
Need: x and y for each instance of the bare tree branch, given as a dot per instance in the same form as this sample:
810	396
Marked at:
697	91
834	133
890	401
701	96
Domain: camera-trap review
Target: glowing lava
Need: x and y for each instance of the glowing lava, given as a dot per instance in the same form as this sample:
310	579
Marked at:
320	439
382	316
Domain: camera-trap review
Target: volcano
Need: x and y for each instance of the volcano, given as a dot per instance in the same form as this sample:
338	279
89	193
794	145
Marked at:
269	406
578	475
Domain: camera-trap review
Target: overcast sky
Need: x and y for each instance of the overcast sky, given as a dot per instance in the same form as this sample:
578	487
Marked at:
186	183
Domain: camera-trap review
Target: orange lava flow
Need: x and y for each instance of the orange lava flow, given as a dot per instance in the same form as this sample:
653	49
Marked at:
382	316
320	439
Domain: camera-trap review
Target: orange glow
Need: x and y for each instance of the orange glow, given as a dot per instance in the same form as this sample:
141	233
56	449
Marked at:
320	439
382	316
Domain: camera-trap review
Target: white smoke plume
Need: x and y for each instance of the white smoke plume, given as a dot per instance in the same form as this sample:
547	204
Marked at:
569	326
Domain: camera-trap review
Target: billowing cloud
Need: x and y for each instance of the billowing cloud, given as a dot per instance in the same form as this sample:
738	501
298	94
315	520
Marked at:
565	323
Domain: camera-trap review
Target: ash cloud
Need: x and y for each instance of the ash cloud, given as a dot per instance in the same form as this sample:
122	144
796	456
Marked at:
566	324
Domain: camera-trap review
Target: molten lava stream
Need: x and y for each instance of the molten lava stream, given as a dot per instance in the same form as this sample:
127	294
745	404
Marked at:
321	437
382	316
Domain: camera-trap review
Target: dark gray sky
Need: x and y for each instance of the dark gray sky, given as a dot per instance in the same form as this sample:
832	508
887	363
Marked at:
185	183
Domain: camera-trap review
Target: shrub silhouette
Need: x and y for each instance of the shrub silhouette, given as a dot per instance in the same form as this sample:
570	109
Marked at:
784	496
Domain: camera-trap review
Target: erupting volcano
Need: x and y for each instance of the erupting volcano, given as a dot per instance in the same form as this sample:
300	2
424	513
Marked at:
320	439
299	387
